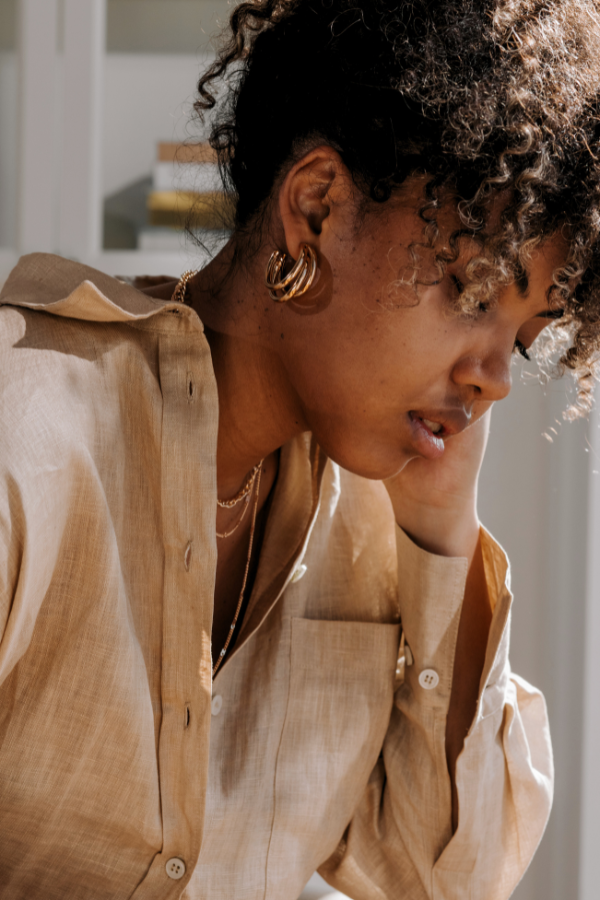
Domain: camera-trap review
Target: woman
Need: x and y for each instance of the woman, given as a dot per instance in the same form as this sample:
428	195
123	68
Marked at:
251	624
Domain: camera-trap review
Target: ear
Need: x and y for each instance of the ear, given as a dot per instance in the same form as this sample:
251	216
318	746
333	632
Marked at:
316	193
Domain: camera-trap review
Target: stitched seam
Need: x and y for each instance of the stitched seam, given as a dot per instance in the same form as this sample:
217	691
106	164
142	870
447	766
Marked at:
287	706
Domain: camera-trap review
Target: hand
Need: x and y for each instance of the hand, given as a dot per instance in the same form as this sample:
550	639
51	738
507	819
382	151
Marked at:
435	501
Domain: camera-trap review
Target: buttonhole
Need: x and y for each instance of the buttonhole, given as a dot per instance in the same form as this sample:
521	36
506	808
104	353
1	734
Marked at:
191	388
187	716
187	559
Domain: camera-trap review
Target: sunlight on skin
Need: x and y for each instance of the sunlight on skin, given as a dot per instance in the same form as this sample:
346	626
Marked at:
341	363
357	370
372	366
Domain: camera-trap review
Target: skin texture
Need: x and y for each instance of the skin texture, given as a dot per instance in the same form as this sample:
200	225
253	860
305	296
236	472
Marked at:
356	361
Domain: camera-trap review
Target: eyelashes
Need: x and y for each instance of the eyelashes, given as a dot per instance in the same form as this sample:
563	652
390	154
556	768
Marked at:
522	349
518	347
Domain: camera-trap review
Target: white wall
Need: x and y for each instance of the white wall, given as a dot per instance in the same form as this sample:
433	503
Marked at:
164	26
533	498
8	148
590	813
147	99
8	24
157	49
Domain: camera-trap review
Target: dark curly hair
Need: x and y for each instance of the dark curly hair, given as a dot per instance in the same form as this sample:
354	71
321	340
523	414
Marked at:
484	97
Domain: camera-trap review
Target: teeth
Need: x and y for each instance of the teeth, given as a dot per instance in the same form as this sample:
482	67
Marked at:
433	426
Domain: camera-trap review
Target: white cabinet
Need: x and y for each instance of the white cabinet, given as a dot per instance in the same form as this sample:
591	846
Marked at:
87	90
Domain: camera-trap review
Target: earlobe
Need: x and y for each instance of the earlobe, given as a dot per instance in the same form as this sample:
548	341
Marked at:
295	283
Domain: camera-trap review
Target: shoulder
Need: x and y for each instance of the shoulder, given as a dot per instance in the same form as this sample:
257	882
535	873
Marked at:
36	330
39	351
61	380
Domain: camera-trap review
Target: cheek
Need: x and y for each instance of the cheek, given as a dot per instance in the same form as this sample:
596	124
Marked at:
364	267
364	371
376	348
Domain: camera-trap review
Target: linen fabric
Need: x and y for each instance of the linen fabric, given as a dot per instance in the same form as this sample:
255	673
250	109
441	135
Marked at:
318	755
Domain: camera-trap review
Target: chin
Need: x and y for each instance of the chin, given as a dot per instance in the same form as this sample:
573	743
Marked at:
374	462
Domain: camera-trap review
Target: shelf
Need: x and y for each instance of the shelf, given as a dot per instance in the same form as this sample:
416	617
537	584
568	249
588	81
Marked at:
138	262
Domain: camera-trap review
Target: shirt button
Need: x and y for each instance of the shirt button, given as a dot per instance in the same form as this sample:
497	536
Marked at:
429	679
299	573
216	705
175	868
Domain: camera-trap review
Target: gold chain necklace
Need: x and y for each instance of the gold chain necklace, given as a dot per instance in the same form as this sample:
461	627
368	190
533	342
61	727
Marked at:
233	625
226	534
243	494
243	491
182	286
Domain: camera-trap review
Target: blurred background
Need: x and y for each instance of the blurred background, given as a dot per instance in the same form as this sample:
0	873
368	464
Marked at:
95	101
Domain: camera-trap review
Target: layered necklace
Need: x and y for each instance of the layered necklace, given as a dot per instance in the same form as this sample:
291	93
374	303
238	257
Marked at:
250	488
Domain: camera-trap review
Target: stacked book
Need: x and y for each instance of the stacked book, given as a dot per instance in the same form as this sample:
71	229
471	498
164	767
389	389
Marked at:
187	190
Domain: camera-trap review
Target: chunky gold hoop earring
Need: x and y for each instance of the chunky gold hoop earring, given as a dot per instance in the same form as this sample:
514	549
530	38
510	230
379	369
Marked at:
298	281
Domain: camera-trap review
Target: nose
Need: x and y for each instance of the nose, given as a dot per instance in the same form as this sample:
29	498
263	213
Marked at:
489	376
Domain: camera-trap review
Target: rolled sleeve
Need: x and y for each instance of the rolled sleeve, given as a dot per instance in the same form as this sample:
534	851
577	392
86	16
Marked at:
400	839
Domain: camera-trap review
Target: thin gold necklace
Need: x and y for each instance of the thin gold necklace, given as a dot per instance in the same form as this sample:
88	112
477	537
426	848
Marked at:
243	491
245	494
233	625
226	534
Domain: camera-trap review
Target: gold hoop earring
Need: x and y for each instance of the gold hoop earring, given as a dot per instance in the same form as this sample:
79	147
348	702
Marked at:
298	281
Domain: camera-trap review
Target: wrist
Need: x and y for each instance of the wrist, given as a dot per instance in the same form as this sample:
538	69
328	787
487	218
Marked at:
452	532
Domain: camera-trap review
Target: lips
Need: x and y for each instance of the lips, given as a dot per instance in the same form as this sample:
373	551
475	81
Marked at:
430	427
435	427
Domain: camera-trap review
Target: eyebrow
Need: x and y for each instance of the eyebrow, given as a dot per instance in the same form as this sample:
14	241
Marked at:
522	284
521	281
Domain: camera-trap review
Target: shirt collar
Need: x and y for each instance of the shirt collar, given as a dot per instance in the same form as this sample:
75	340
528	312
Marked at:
51	284
61	287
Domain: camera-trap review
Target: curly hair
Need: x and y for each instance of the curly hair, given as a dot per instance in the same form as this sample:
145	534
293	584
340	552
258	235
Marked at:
485	97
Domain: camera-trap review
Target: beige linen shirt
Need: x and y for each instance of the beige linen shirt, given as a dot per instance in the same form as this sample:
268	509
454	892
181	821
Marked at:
124	772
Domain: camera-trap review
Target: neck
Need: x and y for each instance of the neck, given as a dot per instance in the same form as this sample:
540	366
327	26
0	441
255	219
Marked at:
258	410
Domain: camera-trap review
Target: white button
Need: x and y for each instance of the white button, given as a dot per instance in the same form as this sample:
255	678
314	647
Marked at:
216	705
429	679
299	573
175	868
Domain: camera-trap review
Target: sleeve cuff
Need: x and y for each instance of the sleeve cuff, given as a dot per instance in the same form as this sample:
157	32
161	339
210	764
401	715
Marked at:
431	590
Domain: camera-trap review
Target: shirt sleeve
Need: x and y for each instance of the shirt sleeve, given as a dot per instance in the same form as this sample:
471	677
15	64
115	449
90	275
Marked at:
400	842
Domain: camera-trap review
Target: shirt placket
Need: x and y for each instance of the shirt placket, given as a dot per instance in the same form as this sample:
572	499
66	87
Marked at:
188	485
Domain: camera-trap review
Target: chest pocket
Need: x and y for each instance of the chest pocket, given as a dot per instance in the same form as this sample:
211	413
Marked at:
339	705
